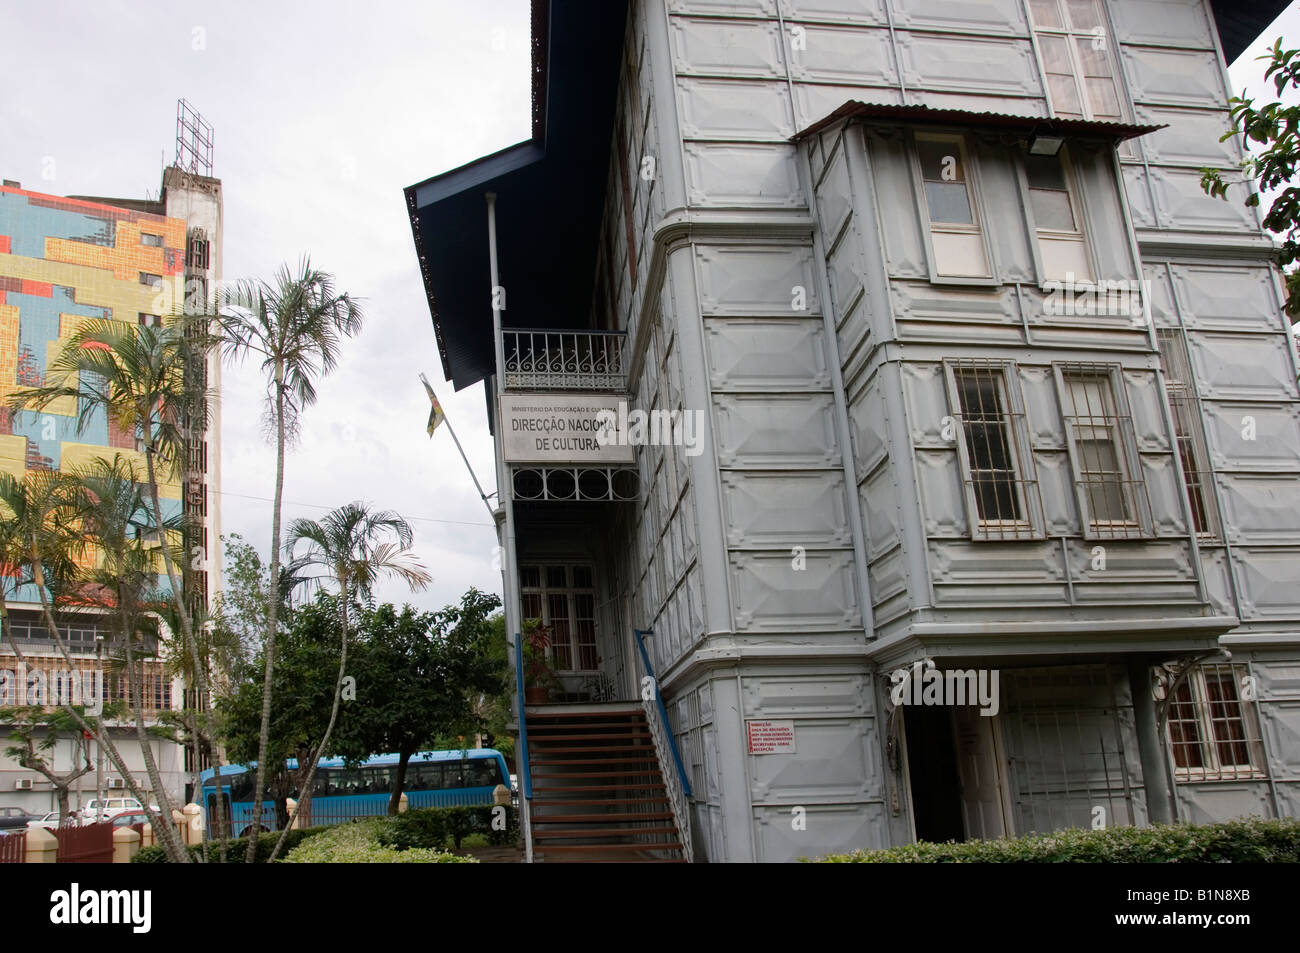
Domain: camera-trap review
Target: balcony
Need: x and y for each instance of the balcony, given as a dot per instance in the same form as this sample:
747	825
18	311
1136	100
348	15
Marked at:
538	359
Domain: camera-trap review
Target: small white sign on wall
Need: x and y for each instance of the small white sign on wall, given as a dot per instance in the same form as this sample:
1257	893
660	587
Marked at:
770	737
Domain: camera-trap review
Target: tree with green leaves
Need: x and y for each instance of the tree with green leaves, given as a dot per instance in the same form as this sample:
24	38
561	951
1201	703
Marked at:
419	677
353	548
34	736
294	328
1271	136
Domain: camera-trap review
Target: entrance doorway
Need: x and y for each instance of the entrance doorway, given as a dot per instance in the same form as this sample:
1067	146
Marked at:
955	773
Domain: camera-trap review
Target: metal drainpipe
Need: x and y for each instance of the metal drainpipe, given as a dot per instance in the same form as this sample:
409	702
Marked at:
505	495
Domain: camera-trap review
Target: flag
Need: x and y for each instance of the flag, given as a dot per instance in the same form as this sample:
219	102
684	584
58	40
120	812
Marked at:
436	415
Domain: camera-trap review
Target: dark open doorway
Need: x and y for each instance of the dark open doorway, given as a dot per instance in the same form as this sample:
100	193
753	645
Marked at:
932	774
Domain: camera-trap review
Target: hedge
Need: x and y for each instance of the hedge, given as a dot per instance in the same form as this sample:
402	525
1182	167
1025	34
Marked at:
358	843
434	826
1248	840
235	849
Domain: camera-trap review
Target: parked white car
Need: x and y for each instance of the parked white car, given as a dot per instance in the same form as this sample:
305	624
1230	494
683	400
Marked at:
50	822
96	810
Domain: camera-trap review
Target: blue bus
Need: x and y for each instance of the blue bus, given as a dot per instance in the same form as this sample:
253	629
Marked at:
455	778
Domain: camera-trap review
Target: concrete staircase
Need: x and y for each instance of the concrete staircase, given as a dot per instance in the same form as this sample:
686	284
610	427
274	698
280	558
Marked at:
598	789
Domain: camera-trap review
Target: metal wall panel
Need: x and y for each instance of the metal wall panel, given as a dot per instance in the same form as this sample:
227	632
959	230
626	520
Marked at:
738	8
879	496
835	762
747	281
1191	137
1214	803
943	494
783	510
1214	298
1176	23
1261	508
895	203
735	109
758	176
976	67
733	48
766	353
771	595
1242	367
985	17
1174	77
1139	196
776	430
1182	203
848	56
1267	580
831	829
835	11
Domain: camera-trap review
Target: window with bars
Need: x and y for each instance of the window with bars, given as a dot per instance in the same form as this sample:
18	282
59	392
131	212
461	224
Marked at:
1001	494
1189	429
1058	222
1074	47
1110	492
1213	732
956	238
564	598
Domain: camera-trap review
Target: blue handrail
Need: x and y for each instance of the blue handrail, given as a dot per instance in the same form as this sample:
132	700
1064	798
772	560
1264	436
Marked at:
523	717
663	712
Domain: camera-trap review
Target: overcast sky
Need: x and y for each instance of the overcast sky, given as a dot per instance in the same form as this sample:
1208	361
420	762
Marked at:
321	119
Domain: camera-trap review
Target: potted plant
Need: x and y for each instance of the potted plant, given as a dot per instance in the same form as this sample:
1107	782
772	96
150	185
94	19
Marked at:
539	671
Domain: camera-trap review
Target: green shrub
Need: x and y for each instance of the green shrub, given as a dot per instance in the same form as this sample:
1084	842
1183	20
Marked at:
358	843
235	849
1249	840
434	826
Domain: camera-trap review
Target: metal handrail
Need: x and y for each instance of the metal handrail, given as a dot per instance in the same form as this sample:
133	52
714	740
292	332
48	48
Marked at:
523	718
661	732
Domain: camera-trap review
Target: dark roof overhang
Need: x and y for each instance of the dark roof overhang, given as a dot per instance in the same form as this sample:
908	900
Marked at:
550	192
1241	21
1065	128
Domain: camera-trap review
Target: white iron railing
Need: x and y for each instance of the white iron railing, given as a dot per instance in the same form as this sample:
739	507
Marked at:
537	359
670	762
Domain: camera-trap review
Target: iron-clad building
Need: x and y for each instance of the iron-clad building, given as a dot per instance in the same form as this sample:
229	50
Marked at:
925	366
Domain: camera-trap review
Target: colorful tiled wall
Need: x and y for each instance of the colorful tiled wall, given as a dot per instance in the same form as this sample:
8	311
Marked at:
63	261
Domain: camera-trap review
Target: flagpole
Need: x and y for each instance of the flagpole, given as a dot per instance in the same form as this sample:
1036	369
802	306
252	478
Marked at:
451	430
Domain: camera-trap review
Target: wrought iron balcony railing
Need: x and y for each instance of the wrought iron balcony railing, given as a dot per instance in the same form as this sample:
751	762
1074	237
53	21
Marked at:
537	359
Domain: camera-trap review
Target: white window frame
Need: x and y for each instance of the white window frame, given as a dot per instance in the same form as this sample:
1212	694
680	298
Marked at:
1139	523
1030	525
1082	233
570	592
1071	35
930	227
1212	767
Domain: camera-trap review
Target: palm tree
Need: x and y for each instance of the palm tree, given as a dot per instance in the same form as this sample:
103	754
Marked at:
41	538
148	381
352	547
112	510
294	329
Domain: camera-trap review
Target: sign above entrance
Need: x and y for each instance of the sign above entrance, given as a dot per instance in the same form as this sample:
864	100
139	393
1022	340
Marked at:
770	737
561	429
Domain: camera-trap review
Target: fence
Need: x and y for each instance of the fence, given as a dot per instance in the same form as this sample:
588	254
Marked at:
91	844
13	848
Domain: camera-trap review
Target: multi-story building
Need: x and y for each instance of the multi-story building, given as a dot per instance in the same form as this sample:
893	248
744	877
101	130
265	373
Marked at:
959	388
64	260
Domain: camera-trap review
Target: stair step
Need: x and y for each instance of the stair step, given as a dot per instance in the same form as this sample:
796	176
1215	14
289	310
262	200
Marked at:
545	762
549	739
561	749
624	848
603	834
600	818
584	801
602	774
592	788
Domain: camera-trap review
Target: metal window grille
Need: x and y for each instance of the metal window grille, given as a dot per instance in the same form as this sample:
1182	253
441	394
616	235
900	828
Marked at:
1113	499
990	434
564	360
1189	430
1213	734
